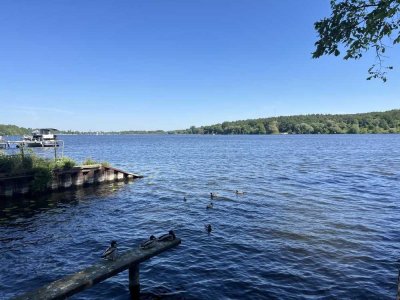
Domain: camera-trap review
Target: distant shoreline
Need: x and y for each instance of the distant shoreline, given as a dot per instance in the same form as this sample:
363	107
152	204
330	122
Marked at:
387	122
222	134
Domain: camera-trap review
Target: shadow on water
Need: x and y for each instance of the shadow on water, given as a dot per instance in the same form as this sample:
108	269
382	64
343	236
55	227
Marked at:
27	207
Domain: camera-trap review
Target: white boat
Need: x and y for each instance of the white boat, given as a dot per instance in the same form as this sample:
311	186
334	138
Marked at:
3	143
43	137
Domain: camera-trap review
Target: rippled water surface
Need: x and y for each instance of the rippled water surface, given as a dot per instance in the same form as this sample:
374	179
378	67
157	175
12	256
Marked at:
319	218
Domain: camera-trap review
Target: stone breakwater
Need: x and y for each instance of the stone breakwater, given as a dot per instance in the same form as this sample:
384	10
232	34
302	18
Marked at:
17	185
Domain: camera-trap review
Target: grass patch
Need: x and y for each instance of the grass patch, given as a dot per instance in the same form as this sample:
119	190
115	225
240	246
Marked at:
41	168
89	161
64	163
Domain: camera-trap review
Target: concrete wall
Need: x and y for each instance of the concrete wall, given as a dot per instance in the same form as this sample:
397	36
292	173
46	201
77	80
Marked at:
64	179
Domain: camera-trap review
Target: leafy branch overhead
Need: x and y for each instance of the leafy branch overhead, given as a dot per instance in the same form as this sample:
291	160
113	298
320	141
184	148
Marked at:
359	26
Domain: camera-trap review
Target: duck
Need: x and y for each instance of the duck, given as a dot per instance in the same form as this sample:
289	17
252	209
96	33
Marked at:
208	228
211	205
213	195
170	236
111	252
239	192
150	243
184	199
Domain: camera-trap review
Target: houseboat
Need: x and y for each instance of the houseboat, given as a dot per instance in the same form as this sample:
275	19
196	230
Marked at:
3	143
43	137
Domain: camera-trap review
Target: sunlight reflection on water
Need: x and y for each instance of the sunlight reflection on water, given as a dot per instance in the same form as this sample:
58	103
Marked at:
318	218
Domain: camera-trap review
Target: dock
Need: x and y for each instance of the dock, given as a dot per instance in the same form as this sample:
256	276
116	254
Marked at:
86	278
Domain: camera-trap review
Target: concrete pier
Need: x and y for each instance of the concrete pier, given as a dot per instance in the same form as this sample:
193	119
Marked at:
86	278
64	179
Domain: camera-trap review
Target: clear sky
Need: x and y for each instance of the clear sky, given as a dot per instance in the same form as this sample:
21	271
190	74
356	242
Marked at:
170	64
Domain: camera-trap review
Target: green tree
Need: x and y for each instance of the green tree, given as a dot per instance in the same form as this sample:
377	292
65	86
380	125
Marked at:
355	128
261	128
383	124
333	127
272	127
13	130
304	128
318	127
359	26
193	130
246	129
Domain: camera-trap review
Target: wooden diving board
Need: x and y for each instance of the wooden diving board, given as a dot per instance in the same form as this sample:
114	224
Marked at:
86	278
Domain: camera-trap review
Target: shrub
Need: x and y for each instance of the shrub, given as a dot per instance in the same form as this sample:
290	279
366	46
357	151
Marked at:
41	178
64	163
105	163
6	164
90	161
41	168
15	164
38	162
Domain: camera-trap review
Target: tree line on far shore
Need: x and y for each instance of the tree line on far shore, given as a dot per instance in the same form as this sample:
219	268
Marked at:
13	130
374	122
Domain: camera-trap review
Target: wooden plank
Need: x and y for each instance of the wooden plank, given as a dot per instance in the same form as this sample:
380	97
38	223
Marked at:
72	284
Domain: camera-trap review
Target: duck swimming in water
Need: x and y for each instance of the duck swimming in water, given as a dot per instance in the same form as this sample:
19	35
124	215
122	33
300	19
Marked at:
111	252
150	243
211	205
213	195
208	228
170	236
184	199
239	192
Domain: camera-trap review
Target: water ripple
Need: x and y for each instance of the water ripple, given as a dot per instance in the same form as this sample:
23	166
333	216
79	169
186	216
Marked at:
318	219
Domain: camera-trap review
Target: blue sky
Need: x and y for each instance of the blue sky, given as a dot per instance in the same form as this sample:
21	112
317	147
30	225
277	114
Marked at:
170	64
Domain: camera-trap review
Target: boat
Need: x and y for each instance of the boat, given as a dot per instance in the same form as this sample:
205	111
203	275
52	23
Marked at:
43	137
3	143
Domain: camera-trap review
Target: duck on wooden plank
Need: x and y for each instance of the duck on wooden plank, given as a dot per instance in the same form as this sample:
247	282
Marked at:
170	236
111	252
150	243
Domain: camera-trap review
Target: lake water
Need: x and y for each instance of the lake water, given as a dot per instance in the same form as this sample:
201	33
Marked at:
319	218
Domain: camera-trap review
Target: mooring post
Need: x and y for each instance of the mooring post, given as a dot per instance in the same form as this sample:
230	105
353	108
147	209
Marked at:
134	284
398	285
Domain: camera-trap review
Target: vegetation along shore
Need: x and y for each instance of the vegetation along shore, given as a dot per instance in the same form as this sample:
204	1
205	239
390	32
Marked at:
373	122
40	169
